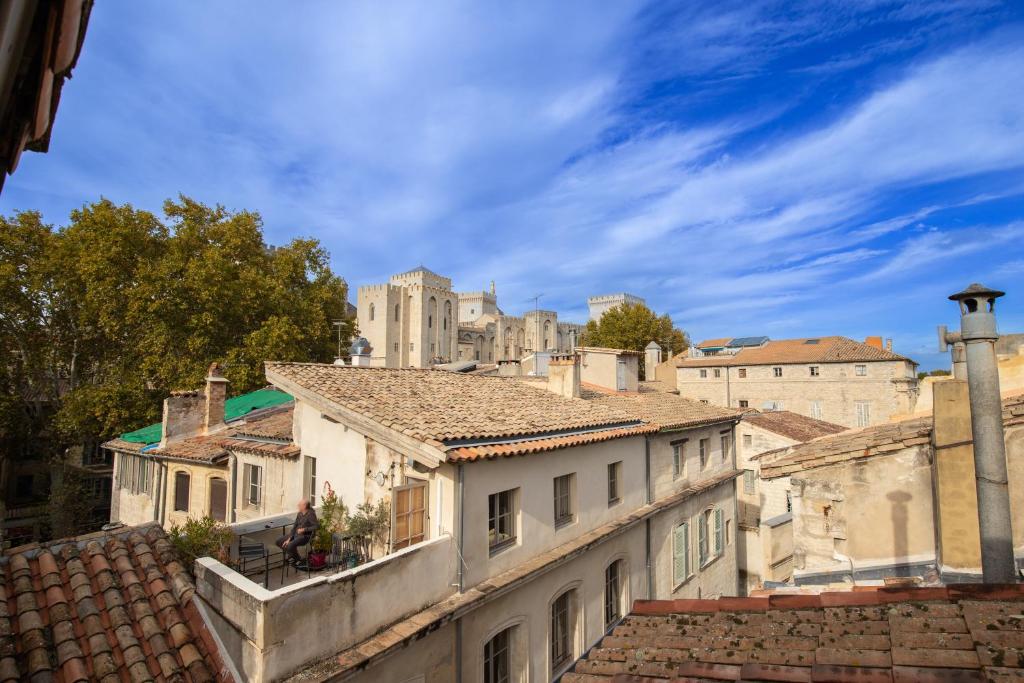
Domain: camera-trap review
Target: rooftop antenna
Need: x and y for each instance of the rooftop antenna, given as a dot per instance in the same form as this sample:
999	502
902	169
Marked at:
536	320
338	325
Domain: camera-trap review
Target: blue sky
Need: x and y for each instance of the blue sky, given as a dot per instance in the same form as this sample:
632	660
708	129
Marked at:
779	168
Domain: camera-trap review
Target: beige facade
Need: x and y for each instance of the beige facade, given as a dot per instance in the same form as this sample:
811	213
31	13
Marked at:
858	392
599	305
575	514
897	499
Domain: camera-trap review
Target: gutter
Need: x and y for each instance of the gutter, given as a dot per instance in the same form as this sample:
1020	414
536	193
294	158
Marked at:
460	495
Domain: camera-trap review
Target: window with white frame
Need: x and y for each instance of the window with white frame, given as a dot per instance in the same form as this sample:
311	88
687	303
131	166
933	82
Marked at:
703	373
814	371
613	575
711	535
252	476
680	553
614	482
564	513
497	658
748	440
749	482
744	403
501	520
718	373
679	458
725	441
742	373
705	451
309	478
860	370
561	635
777	372
863	409
816	410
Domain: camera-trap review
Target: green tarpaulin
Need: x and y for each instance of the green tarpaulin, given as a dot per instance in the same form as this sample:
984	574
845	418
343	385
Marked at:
234	408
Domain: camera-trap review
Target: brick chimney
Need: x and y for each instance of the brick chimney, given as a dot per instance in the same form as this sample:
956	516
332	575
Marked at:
564	375
874	341
216	393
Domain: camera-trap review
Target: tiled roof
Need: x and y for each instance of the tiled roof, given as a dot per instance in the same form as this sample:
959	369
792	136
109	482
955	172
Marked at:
969	632
440	408
783	351
483	452
867	442
107	607
666	410
603	349
268	432
713	343
792	425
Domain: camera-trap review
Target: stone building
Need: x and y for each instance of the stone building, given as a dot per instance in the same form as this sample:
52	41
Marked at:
600	304
765	510
411	321
428	323
897	499
529	513
834	379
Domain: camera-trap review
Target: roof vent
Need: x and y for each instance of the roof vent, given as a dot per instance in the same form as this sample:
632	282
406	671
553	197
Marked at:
812	341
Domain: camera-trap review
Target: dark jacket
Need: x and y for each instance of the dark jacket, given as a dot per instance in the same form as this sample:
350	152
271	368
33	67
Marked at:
305	520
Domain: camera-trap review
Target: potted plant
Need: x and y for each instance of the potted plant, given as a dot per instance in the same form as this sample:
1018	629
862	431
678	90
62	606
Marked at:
331	519
369	527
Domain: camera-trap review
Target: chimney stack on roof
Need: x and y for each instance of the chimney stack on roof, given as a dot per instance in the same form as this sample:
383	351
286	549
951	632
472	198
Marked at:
216	394
874	341
564	375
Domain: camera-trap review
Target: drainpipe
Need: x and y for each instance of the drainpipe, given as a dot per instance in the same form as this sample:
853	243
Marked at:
647	522
978	333
728	389
156	493
458	543
647	469
234	486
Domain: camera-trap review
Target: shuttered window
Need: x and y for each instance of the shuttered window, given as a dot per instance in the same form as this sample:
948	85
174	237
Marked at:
680	553
703	554
181	483
309	477
410	515
719	532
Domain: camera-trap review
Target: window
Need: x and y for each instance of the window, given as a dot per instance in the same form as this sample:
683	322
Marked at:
397	310
561	636
777	372
410	506
703	549
563	500
863	409
725	442
703	373
816	410
814	371
680	553
431	347
749	482
678	458
742	373
253	477
718	373
134	474
371	312
496	658
309	478
748	440
396	346
789	502
412	346
705	446
744	403
430	321
704	400
219	499
612	593
23	485
860	370
181	484
614	474
501	520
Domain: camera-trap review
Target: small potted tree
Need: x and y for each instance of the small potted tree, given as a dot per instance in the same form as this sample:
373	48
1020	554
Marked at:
369	527
332	518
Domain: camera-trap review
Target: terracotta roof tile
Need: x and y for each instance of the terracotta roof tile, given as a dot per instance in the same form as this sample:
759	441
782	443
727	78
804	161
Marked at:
792	425
666	410
883	634
439	407
783	351
98	607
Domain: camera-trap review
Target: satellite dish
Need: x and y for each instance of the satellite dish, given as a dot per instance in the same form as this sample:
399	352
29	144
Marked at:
379	478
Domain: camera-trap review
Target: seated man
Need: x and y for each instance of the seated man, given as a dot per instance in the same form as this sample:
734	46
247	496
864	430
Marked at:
302	530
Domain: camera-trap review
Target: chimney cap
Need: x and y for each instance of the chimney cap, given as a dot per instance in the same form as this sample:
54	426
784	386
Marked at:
975	290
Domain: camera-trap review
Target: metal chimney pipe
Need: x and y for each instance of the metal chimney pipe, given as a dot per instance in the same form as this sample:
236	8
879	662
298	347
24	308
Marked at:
978	334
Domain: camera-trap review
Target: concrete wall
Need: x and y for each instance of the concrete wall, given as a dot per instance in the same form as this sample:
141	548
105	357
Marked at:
601	367
270	633
132	508
889	388
878	511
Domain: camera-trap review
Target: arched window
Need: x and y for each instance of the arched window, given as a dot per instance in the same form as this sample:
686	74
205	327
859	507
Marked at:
181	484
371	311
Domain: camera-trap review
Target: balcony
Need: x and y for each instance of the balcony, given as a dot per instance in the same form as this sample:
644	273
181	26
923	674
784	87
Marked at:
318	613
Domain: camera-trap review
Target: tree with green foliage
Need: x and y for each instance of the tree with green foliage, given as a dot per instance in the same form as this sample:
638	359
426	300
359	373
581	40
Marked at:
633	327
103	317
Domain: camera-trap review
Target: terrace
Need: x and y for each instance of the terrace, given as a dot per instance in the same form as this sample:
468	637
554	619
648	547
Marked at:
263	603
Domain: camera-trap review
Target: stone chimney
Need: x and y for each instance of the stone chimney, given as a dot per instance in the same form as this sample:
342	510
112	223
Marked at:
888	344
216	394
510	368
652	358
183	416
564	375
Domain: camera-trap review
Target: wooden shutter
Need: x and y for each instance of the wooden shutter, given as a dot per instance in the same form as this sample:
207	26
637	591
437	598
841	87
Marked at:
680	553
719	532
702	538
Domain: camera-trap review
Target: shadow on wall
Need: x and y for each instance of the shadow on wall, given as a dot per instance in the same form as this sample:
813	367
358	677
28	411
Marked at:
900	526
